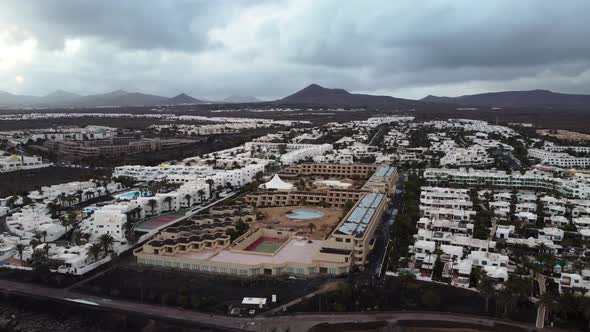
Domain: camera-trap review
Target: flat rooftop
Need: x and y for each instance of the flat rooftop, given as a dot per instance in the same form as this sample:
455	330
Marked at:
359	218
384	171
294	251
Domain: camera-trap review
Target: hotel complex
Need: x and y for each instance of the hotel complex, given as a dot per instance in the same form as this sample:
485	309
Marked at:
203	244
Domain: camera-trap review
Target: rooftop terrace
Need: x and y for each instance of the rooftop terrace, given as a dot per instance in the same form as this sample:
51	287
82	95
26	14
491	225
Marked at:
359	218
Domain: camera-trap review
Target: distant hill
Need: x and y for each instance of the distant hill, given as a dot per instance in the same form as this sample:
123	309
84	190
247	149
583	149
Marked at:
318	95
117	98
58	96
183	98
532	98
61	98
241	99
9	99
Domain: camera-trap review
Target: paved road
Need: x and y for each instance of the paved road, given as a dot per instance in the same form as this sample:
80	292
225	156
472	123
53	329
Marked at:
380	251
541	310
293	323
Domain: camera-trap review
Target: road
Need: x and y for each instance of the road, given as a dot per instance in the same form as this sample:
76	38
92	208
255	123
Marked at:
509	158
378	134
379	254
541	310
297	322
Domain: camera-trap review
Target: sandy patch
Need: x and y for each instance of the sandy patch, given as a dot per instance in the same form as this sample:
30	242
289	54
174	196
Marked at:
322	227
564	134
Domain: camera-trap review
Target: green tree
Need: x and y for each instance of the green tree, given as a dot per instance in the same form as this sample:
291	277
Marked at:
168	200
106	242
486	287
95	250
20	248
152	203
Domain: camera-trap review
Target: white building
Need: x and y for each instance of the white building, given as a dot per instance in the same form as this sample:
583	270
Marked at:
17	163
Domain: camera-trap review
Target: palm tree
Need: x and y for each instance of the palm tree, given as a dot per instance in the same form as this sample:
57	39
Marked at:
188	197
210	182
95	250
485	285
40	261
507	298
34	242
70	199
52	208
69	220
201	194
152	203
44	235
79	194
76	236
106	241
549	301
10	201
20	248
62	198
168	200
128	229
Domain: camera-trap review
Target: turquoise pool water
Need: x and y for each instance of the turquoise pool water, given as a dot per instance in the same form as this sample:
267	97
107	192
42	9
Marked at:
131	195
305	214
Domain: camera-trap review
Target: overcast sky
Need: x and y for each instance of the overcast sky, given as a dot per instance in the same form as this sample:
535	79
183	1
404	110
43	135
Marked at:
213	49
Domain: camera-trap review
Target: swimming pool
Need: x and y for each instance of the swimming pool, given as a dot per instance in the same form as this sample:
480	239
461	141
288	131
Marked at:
132	195
305	214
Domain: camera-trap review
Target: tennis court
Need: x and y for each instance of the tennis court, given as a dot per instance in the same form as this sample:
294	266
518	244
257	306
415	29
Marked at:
156	222
266	245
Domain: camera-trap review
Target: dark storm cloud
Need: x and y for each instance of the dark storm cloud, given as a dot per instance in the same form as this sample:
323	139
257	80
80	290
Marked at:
133	24
449	34
271	48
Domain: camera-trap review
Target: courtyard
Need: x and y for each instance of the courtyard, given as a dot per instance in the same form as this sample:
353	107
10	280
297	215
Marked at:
315	222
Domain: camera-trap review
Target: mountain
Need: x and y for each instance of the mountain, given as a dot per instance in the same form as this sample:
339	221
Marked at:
241	99
183	98
58	96
532	98
9	99
117	98
318	95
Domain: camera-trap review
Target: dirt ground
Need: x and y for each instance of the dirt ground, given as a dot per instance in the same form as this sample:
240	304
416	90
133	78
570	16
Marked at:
277	217
565	134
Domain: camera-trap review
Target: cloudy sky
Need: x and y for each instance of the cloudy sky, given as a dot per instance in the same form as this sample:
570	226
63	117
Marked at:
213	49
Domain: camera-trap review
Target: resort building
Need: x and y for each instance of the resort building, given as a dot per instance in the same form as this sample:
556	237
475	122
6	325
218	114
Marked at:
578	186
355	231
258	252
332	170
17	163
202	243
114	146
